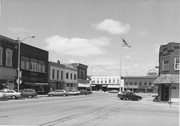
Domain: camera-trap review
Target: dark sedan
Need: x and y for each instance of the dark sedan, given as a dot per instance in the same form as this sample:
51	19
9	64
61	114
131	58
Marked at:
128	96
28	93
85	92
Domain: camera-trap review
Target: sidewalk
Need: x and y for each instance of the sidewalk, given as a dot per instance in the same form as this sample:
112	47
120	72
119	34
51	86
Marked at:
148	100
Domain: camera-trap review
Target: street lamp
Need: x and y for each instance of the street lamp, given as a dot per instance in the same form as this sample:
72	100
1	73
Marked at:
19	55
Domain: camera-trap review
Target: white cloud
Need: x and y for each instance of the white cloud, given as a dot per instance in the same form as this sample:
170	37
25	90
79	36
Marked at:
112	26
18	30
77	46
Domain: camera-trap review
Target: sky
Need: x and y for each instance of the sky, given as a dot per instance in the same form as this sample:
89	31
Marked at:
91	31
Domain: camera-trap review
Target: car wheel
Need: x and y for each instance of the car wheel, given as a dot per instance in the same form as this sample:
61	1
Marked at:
30	96
13	97
121	98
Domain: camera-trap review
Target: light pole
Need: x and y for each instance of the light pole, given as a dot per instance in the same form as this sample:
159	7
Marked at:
19	55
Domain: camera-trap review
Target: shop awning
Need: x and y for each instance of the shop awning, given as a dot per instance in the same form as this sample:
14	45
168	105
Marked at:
36	84
83	85
104	85
167	79
113	86
92	85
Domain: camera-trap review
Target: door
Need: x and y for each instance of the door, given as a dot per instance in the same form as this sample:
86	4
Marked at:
165	93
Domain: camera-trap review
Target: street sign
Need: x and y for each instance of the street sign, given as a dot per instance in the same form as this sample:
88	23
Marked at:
19	81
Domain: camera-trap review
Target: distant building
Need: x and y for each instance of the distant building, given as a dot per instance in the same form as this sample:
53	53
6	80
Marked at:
83	82
8	62
140	83
168	80
70	77
106	83
56	76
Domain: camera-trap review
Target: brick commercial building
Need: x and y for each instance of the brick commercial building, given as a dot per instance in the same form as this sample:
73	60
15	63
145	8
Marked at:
82	81
8	62
168	80
140	83
34	67
56	76
70	77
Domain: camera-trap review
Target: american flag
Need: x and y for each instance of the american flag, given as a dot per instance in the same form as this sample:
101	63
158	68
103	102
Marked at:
125	44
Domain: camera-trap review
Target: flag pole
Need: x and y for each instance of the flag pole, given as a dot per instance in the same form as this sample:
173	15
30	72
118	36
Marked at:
120	69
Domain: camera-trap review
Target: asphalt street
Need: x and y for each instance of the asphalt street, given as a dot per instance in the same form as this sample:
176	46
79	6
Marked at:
97	109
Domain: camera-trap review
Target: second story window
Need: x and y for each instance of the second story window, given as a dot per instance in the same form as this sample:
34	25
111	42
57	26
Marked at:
113	80
1	55
33	66
24	63
117	80
71	76
176	64
57	74
67	75
9	57
62	75
74	76
165	65
53	72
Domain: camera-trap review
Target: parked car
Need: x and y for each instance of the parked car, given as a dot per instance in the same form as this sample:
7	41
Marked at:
11	94
59	92
28	93
74	92
127	95
2	95
85	92
113	91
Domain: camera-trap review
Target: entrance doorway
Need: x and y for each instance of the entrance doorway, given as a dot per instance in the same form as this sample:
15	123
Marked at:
165	93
